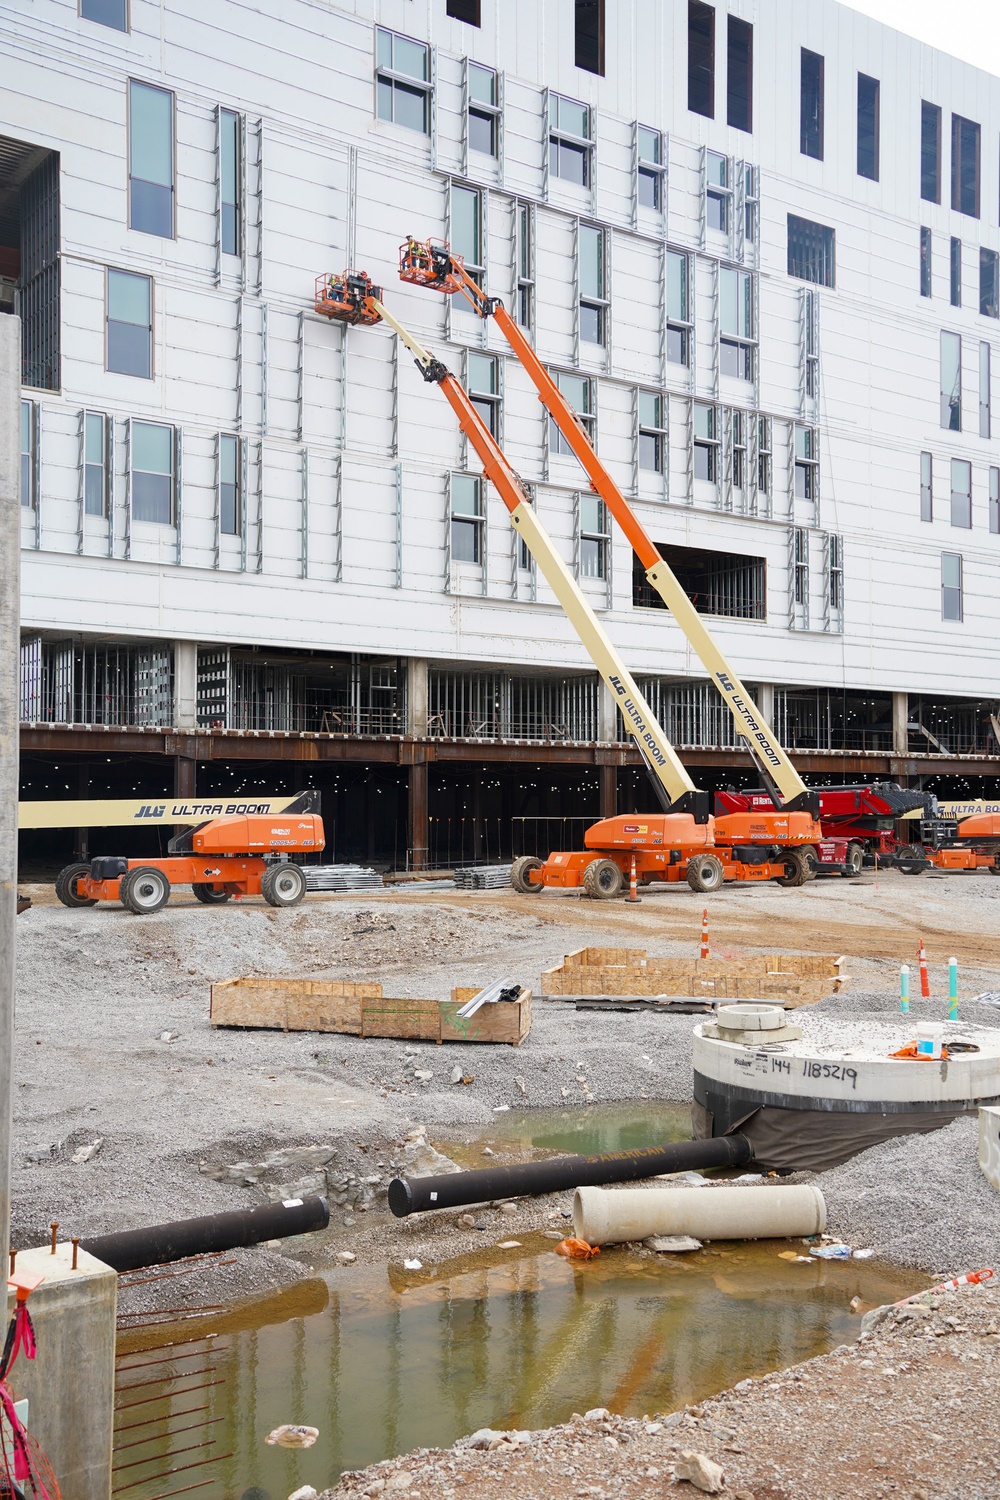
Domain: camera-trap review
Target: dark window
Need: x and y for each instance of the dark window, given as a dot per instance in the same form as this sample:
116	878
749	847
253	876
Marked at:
926	487
812	251
593	290
484	111
717	583
570	140
706	443
678	316
951	586
152	466
466	518
230	507
739	74
483	382
701	59
579	392
961	493
649	150
652	433
594	537
956	272
402	81
989	283
464	10
965	166
589	34
151	159
930	152
229	180
925	262
113	13
95	464
868	126
951	382
130	324
30	243
811	104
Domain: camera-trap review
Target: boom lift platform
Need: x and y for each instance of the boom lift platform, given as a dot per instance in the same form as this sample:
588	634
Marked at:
684	841
241	855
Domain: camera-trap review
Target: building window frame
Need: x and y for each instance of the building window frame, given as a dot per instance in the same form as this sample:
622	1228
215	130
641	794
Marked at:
737	334
467	519
800	581
475	263
926	262
524	253
145	192
487	112
586	411
99	20
955	271
651	411
28	483
392	81
230	181
141	501
588	36
812	88
117	342
718	192
764	455
926	487
701	59
966	163
466	11
679	322
230	480
593	302
952	588
989	283
739	74
810	313
486	395
812	251
651	170
961	494
835	570
593	537
985	382
868	126
706	442
951	381
96	463
806	442
930	151
566	145
994	501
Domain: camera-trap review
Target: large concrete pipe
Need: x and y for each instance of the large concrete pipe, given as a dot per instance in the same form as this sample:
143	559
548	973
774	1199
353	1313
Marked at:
718	1213
152	1246
413	1195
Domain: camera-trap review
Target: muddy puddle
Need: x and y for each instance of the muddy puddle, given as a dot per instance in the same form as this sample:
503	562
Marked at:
386	1359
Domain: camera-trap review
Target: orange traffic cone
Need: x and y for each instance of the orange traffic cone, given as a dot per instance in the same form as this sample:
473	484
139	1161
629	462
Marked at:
925	984
632	884
704	933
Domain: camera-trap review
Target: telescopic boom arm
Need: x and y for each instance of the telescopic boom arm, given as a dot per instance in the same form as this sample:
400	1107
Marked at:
433	264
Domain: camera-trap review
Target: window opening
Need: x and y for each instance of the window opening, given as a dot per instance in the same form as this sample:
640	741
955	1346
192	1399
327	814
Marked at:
989	283
868	127
29	439
951	586
678	308
130	324
764	455
965	148
806	463
801	565
930	152
812	251
652	432
739	74
812	344
402	81
951	382
230	486
956	272
706	443
594	537
152	465
926	487
736	323
229	180
484	110
751	203
984	390
466	227
651	167
570	140
113	13
836	545
95	464
464	10
961	493
718	192
466	518
30	265
739	450
926	243
726	584
525	266
811	70
589	35
483	382
151	159
701	59
579	392
593	285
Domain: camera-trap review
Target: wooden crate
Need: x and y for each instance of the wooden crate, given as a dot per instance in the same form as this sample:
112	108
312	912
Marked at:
796	979
508	1021
409	1020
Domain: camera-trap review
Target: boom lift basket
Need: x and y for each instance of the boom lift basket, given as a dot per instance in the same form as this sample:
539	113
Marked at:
344	298
431	264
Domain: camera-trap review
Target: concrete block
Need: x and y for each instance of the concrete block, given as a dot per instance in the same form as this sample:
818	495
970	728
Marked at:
70	1386
989	1143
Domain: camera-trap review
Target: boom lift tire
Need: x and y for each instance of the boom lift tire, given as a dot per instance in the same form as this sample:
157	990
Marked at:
912	866
210	895
810	858
854	860
66	886
797	868
144	890
705	873
519	872
602	880
283	885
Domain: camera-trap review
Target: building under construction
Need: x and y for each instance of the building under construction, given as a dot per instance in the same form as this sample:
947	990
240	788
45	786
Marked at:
258	555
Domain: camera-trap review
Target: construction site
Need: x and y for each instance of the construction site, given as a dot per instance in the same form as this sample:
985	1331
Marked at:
499	732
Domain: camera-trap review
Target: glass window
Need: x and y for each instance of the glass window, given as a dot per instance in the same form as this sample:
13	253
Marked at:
95	464
152	467
570	141
764	455
678	317
579	392
989	283
736	322
812	251
589	35
464	10
836	557
484	389
811	70
739	431
28	438
868	126
402	81
995	501
701	59
466	518
984	390
467	227
113	13
951	382
593	537
801	566
706	443
739	74
718	191
951	586
652	432
961	493
151	159
130	324
926	487
751	202
812	343
925	262
650	153
525	266
230	488
229	180
965	145
956	272
484	114
806	463
930	152
592	285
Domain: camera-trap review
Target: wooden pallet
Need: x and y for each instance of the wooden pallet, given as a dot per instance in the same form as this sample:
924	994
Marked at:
790	978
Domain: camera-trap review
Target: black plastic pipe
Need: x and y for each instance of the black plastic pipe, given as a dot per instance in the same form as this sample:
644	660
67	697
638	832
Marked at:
415	1195
134	1248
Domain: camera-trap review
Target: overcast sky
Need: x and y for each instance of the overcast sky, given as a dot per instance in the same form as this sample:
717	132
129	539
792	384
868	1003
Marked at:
969	29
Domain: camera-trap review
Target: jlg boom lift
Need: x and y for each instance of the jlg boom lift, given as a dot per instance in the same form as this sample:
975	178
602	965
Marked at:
681	843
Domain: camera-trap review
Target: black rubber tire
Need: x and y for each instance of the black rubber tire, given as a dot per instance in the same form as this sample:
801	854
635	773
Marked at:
810	857
519	875
854	860
797	871
705	873
603	880
144	890
208	895
283	884
912	866
66	886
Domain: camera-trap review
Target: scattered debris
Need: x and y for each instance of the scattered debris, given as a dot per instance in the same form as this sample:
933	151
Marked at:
413	1265
698	1469
346	1257
86	1153
665	1244
574	1249
290	1435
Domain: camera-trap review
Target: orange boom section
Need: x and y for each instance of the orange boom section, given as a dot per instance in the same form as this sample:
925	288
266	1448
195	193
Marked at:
245	835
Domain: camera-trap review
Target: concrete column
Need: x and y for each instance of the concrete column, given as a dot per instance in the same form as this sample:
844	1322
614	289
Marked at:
609	791
416	696
185	684
900	721
418	816
607	715
10	658
765	702
70	1385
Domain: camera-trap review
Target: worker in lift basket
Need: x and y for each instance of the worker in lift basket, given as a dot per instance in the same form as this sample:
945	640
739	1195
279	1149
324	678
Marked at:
416	255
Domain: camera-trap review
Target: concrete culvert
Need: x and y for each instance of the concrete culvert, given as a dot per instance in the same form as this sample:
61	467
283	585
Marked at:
720	1213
